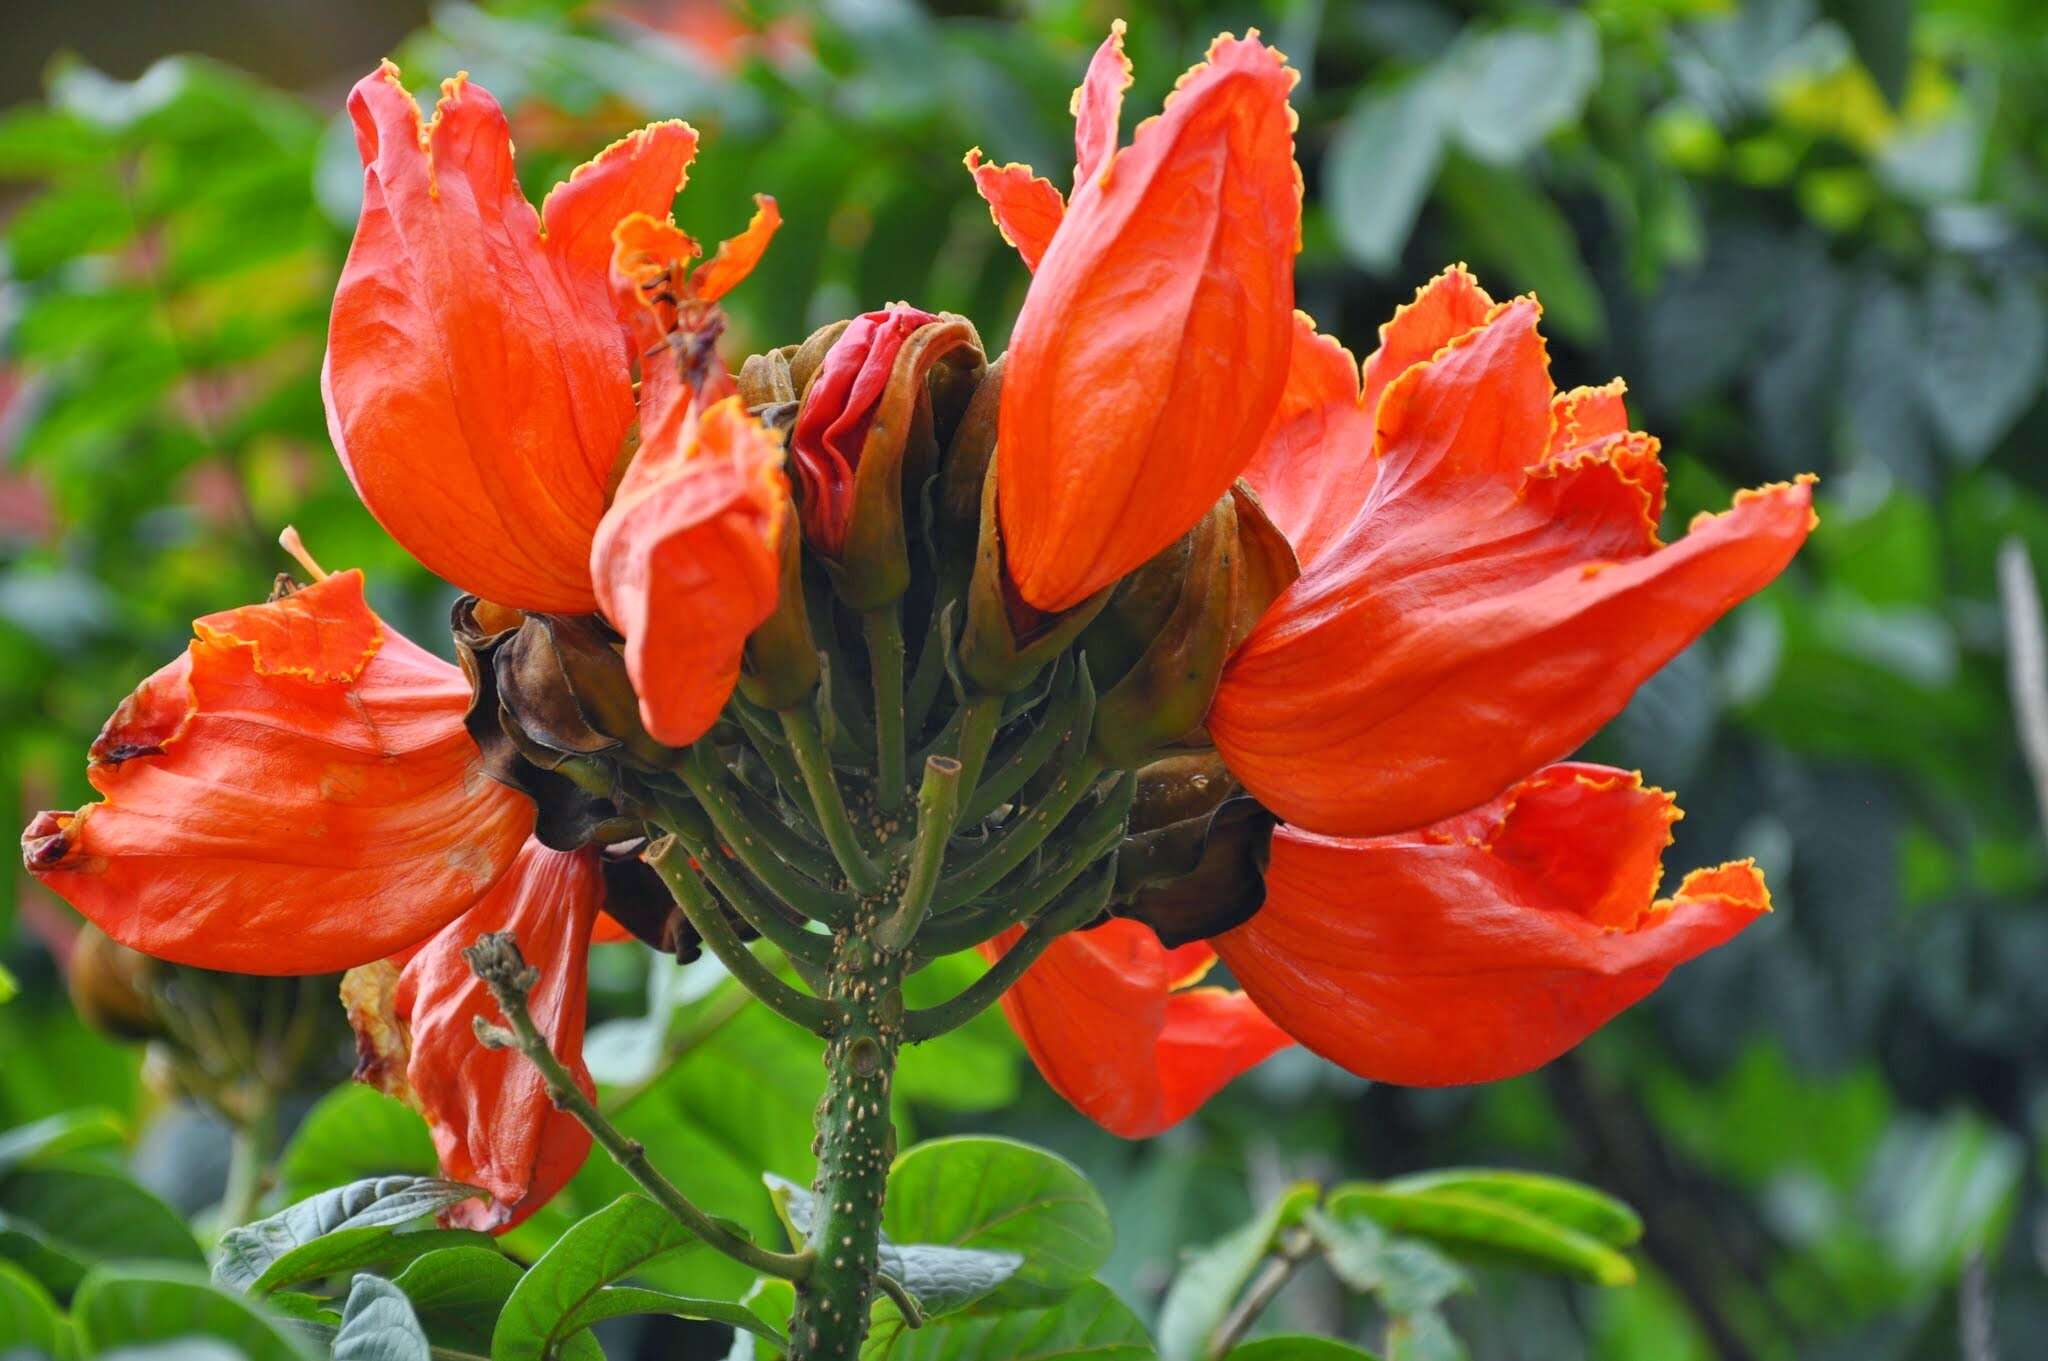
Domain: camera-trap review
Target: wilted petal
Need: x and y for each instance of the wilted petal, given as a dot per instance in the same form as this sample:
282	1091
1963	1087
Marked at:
476	378
489	1111
295	794
1486	946
1491	607
1153	346
687	560
1112	1023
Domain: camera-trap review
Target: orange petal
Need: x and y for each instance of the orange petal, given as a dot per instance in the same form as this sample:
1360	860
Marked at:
687	561
295	794
737	255
838	408
1098	104
1153	345
1444	308
489	1111
1487	612
650	258
476	381
1101	1016
1314	468
1027	208
1444	957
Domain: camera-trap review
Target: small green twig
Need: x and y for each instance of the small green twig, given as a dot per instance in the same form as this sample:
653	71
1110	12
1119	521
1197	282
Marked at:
884	631
750	844
938	804
670	859
1024	836
980	717
775	923
1079	905
827	802
495	959
1294	1247
906	1303
248	1161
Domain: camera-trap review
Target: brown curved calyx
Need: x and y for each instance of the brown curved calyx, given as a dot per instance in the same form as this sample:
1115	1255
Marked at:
1193	864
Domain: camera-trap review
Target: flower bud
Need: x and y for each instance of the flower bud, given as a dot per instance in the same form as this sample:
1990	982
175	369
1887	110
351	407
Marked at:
1005	640
867	437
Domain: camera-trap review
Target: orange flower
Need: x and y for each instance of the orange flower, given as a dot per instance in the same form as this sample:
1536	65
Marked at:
1482	585
693	540
476	380
1488	944
1114	1021
1153	345
295	794
839	407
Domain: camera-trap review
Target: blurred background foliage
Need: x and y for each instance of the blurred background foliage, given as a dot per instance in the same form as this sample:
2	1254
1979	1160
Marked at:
1808	232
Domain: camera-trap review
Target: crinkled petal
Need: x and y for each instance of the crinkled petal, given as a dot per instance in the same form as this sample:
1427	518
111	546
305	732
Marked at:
1487	612
1444	308
1027	208
476	380
1101	1016
1154	342
295	794
687	561
1486	947
1315	469
737	255
1098	104
489	1111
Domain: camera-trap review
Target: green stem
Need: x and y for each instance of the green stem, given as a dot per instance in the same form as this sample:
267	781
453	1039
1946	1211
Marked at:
938	805
772	920
966	927
1023	837
671	860
827	802
1080	904
884	631
248	1163
1071	711
980	717
749	841
855	1147
931	663
496	960
765	736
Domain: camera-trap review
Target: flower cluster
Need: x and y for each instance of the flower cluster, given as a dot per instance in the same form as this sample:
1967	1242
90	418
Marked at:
1325	631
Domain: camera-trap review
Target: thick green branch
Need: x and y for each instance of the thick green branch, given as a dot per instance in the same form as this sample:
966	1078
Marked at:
496	960
671	860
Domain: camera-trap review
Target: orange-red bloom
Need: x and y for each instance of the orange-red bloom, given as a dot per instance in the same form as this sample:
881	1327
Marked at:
476	378
295	794
489	1111
688	559
1153	345
1488	944
1118	1026
839	408
1484	586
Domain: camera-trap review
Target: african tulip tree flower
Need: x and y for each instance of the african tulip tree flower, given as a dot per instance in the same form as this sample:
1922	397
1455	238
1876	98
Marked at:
839	411
1153	344
1481	588
297	794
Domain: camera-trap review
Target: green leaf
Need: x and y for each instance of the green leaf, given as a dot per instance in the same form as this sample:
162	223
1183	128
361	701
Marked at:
616	1241
616	1301
940	1278
9	989
1982	356
286	1247
1297	1347
1210	1282
352	1249
1510	225
1463	1219
1423	1336
1510	89
127	1305
1573	1204
1091	1324
1382	162
998	1195
458	1292
28	1315
1407	1276
59	1218
378	1324
58	1134
352	1133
